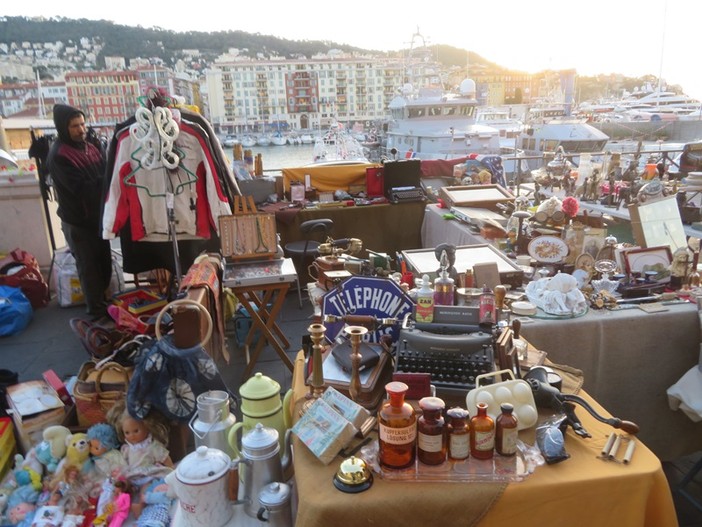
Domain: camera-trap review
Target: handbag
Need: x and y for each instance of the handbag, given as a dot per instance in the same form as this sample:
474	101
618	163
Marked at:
98	387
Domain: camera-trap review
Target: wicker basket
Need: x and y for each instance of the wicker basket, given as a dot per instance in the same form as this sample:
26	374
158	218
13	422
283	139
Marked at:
97	390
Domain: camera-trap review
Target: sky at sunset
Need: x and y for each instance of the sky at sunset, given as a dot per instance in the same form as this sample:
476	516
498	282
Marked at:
634	38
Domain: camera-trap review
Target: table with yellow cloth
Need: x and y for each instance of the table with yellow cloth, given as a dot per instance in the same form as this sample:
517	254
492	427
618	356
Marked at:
582	490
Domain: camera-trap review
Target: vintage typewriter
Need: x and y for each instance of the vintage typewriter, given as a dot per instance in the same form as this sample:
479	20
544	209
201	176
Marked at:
454	354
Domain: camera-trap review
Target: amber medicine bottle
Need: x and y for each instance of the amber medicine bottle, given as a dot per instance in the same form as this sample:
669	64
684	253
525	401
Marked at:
397	428
431	432
482	434
458	434
506	431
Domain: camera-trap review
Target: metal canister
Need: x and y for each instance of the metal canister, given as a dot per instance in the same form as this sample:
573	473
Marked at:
213	420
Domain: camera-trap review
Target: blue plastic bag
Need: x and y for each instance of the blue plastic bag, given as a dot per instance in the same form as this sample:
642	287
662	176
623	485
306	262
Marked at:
15	310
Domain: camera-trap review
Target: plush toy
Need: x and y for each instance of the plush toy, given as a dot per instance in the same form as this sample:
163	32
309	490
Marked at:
105	456
21	514
156	513
25	475
53	448
78	449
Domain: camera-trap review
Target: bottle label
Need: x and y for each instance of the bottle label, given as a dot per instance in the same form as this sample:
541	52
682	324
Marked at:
486	314
398	436
425	308
459	446
485	441
430	443
509	440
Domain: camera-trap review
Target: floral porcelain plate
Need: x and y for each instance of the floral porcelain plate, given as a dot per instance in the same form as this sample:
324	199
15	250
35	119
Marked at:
548	249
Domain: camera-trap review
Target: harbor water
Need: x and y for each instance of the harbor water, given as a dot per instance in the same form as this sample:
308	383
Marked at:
276	158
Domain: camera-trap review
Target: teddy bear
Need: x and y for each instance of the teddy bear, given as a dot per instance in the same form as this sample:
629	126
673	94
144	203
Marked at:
77	450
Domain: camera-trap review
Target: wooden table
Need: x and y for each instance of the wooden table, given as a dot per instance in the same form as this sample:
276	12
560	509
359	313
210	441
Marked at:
263	299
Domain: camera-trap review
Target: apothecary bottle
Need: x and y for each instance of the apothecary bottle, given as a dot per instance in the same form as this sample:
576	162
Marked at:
458	433
431	432
482	434
397	428
506	431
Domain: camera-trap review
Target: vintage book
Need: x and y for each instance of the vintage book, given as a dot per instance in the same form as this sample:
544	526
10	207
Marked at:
324	431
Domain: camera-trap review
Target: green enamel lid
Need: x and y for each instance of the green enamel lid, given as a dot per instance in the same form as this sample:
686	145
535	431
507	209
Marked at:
259	387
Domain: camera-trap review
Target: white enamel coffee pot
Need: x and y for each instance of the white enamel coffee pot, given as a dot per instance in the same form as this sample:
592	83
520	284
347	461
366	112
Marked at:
202	483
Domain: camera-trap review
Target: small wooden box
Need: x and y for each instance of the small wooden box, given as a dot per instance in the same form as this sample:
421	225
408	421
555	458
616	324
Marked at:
248	236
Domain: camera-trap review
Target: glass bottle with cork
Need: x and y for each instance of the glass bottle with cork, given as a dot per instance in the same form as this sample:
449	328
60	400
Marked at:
482	434
444	287
458	434
431	433
486	311
506	431
397	428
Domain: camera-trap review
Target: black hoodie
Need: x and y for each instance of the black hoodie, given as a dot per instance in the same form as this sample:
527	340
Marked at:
77	171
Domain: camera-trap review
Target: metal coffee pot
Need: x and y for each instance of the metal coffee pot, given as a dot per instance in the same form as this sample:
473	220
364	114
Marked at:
259	455
275	508
213	420
261	403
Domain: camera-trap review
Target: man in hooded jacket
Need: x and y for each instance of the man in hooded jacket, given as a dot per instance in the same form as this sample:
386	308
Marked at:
77	169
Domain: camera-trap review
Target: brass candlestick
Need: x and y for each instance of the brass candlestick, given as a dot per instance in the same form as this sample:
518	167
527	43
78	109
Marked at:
355	333
317	383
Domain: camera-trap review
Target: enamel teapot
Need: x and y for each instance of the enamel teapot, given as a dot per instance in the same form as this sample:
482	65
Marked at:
261	403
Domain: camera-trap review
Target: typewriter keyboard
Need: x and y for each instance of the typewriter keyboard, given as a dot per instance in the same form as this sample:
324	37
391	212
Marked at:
450	371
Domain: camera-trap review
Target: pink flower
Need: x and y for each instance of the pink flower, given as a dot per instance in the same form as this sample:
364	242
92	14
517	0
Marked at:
570	206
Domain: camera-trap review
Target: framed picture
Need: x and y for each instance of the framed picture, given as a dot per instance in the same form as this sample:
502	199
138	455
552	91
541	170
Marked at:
593	241
658	223
658	259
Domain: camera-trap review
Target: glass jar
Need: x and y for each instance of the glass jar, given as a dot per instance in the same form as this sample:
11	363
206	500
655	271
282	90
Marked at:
431	433
458	434
397	428
506	431
482	434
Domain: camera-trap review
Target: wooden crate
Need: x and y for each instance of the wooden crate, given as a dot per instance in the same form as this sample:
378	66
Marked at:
247	234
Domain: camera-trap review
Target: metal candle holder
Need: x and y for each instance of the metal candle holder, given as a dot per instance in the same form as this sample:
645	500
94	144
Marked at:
355	333
316	332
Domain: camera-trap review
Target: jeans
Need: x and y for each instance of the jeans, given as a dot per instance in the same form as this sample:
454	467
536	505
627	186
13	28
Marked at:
93	257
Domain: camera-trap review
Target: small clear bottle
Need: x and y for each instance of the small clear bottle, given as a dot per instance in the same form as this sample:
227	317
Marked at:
431	432
459	434
397	428
482	434
444	286
506	431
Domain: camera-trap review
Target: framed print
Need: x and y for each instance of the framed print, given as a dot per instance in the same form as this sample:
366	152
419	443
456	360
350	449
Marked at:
593	241
641	260
658	223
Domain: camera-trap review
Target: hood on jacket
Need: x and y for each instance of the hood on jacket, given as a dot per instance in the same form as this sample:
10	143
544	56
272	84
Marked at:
63	114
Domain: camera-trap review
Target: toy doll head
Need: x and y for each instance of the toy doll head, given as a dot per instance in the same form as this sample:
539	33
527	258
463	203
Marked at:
20	512
139	429
102	437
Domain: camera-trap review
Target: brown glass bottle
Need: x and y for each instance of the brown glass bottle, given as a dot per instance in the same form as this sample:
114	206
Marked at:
397	428
458	434
506	431
482	434
431	432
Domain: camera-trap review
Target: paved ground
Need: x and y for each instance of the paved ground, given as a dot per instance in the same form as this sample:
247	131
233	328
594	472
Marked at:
49	343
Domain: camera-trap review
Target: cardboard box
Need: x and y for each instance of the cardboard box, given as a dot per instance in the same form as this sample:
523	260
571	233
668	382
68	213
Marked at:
140	301
58	386
34	405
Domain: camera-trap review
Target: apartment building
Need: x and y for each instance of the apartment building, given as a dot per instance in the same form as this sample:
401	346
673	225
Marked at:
299	94
106	97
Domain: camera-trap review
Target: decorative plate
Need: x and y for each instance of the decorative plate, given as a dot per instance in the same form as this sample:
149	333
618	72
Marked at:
548	249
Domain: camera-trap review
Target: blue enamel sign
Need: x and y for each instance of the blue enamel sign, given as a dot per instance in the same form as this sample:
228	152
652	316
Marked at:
370	296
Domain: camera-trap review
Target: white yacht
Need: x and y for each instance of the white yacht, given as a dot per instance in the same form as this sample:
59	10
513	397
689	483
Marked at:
429	123
508	126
